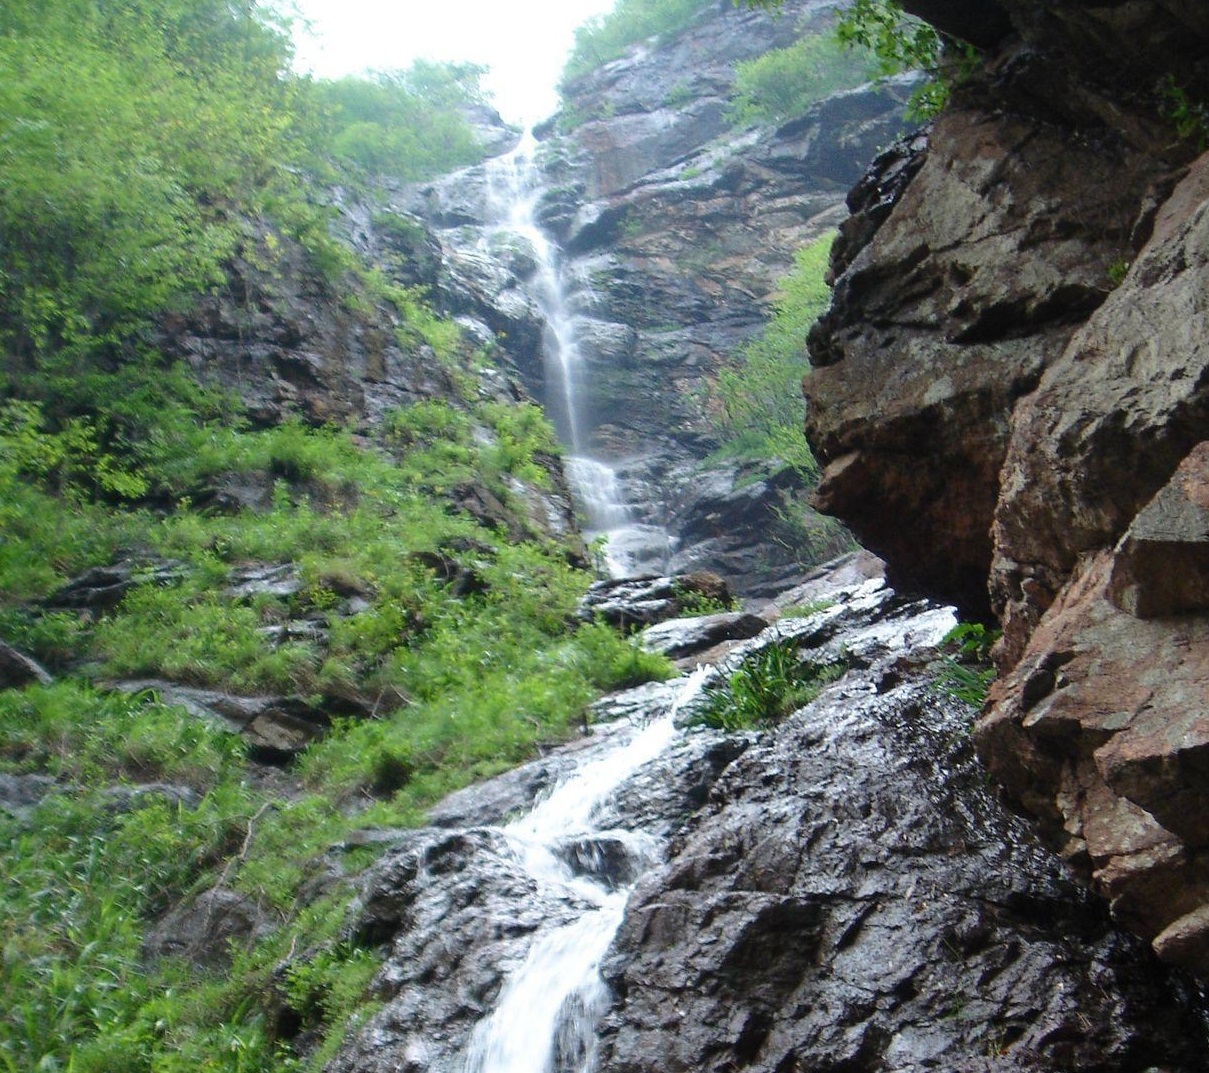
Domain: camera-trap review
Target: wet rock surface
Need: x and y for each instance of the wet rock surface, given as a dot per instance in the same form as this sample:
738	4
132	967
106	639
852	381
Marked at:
843	891
1009	396
852	896
691	636
675	226
458	909
629	603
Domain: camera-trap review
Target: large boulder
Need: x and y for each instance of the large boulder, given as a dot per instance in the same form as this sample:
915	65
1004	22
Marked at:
944	317
1010	397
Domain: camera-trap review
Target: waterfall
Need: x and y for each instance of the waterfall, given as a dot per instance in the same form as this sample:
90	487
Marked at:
632	546
545	1018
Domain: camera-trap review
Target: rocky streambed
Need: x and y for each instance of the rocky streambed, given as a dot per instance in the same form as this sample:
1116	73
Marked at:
842	891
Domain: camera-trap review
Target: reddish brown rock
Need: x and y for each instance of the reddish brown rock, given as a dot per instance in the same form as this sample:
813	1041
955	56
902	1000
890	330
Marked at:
1102	730
1110	420
951	313
1011	396
1162	565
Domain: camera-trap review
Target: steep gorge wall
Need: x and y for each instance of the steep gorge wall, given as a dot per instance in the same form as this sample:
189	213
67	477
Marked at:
675	226
1009	396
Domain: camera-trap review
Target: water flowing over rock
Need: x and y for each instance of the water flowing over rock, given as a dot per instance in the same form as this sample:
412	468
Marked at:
670	227
841	891
1009	395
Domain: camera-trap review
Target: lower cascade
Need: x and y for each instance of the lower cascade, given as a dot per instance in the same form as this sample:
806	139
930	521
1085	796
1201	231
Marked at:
547	1012
841	889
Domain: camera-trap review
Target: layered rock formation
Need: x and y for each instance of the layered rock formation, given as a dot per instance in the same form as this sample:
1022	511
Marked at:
1010	394
674	226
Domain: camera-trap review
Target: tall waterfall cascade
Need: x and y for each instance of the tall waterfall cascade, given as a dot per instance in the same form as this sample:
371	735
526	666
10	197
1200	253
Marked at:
546	1014
612	511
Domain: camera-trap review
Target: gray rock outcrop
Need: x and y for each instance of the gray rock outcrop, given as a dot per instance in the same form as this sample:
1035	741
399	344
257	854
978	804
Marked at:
842	891
675	225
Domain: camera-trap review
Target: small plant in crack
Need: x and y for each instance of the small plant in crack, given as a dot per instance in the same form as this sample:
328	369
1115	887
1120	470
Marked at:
770	685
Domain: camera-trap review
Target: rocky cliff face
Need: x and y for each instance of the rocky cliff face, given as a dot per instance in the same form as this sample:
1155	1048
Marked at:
674	227
1009	396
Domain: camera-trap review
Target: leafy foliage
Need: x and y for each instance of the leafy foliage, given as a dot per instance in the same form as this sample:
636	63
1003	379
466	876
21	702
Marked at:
784	82
756	411
606	37
105	175
756	402
1188	116
901	42
127	188
769	685
468	683
967	673
407	124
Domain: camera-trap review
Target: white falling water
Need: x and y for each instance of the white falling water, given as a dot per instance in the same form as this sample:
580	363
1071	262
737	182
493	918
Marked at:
514	187
546	1015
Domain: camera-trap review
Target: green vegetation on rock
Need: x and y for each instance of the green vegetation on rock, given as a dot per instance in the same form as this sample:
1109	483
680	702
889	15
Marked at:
900	42
461	646
767	686
406	124
606	37
966	672
756	401
785	82
155	154
755	404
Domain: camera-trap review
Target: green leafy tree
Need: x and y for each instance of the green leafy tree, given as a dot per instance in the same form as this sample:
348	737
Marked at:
901	42
109	178
409	124
784	82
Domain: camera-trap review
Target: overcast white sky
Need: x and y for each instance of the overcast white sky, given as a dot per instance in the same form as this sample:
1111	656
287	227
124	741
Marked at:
524	42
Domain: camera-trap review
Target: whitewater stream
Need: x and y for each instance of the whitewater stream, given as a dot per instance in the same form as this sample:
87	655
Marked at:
545	1018
633	545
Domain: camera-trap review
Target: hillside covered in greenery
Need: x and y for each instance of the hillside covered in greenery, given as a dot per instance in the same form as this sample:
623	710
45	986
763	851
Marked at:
376	587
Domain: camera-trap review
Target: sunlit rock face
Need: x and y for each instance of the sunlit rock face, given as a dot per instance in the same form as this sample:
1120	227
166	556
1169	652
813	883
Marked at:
1009	393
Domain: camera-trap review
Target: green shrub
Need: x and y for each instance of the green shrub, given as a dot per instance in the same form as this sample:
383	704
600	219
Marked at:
523	433
1188	116
79	734
756	402
785	82
81	880
966	673
408	124
901	42
693	603
612	662
769	685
